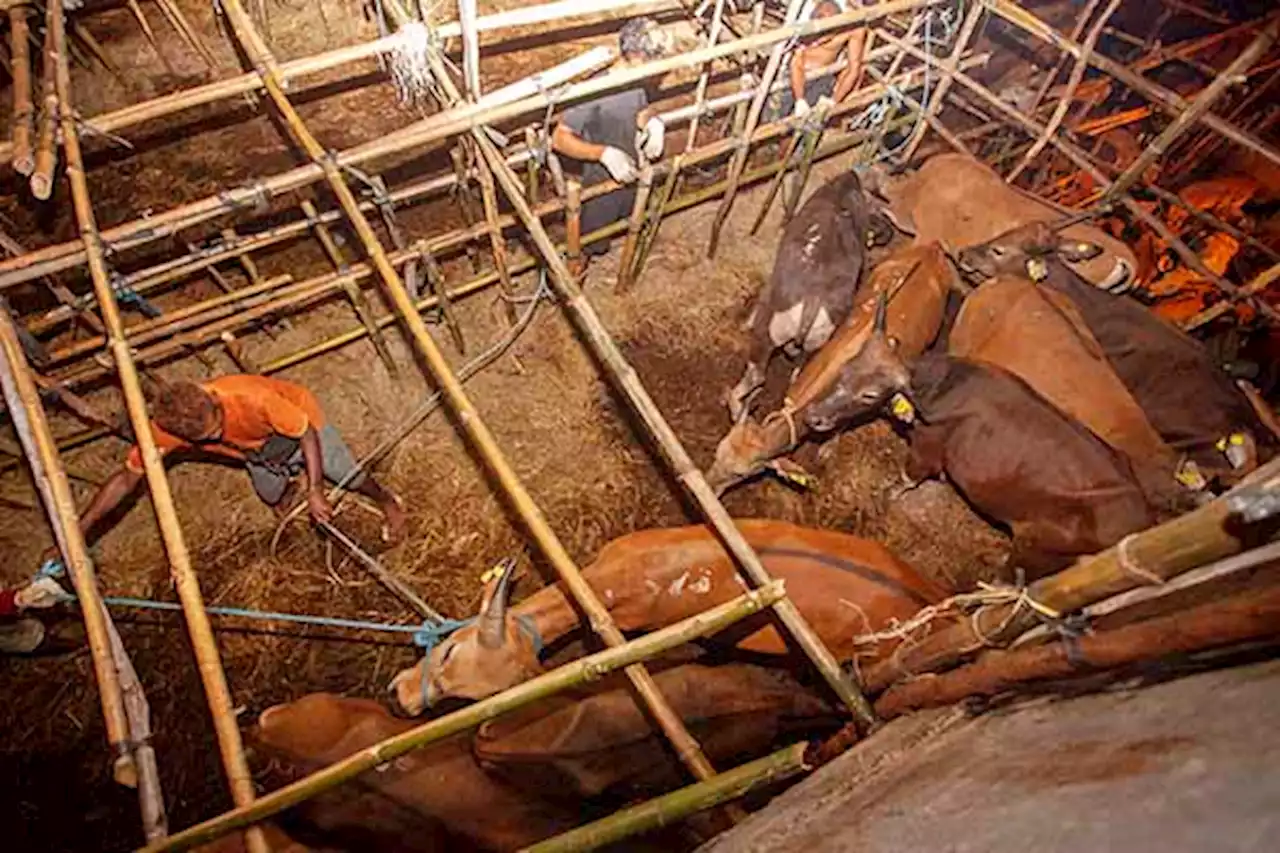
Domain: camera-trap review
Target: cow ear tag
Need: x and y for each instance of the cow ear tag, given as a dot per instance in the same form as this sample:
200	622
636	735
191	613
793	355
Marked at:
795	475
902	409
1037	269
1188	474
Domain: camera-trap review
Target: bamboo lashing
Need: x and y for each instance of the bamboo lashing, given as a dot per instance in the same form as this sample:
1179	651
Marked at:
493	109
22	124
1198	107
597	615
967	29
625	379
1069	91
46	157
208	661
590	668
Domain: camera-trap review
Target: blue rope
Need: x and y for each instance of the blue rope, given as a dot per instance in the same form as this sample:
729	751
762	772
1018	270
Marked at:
427	635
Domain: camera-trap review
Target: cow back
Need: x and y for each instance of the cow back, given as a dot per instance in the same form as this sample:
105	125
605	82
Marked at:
961	202
1040	337
582	746
916	279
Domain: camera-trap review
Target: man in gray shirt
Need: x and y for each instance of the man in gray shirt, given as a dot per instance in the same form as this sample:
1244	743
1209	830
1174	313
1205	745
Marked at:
607	134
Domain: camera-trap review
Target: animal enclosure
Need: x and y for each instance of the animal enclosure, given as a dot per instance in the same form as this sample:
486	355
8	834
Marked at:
367	200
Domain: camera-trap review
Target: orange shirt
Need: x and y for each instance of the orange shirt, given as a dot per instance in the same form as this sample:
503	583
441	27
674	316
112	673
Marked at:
254	408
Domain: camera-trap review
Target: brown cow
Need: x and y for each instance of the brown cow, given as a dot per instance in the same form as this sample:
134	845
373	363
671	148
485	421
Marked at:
844	586
960	202
1038	336
815	275
1192	403
1012	454
917	280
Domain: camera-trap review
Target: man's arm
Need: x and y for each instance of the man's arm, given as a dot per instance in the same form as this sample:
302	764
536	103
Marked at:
568	143
853	70
797	73
313	456
113	493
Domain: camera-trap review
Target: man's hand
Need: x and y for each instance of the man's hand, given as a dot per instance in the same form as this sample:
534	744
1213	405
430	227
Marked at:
801	108
620	165
651	139
318	505
40	594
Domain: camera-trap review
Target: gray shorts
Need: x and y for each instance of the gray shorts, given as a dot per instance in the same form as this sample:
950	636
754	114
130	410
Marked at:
281	459
782	103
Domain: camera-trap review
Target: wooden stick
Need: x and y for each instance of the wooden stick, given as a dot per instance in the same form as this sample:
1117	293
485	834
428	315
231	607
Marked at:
1069	92
1238	618
1201	536
625	379
670	809
1169	101
1197	108
1047	83
435	278
178	20
650	233
700	94
466	201
639	209
95	49
470	48
23	119
590	668
1260	283
951	63
210	666
46	159
573	225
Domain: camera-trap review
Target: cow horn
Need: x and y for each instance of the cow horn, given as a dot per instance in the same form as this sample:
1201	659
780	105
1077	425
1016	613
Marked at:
878	325
493	610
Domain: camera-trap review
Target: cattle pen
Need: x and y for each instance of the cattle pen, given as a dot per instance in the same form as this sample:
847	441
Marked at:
380	192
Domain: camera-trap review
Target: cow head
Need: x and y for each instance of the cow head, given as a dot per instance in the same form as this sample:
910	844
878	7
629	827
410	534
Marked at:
873	377
886	200
751	448
1025	251
476	661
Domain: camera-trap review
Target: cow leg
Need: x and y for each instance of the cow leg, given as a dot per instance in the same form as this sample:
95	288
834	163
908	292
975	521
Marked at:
928	454
739	396
772	330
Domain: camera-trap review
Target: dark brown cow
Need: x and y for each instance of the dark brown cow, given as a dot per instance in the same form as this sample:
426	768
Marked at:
916	280
1019	460
815	276
961	203
1193	404
844	586
1037	335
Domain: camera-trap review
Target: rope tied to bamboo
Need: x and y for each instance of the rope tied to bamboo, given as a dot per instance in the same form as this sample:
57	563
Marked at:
256	196
1131	567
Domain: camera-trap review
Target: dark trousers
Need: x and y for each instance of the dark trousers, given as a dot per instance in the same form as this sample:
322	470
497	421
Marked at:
603	210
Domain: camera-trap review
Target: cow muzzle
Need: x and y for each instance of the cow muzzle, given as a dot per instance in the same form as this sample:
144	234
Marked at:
409	694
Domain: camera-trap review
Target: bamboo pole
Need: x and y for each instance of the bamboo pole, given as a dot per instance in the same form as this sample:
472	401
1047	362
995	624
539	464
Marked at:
435	278
597	615
1069	91
670	809
700	93
1203	535
590	668
178	20
739	160
650	233
573	225
1167	100
470	47
1197	108
1046	84
22	126
462	191
46	159
640	207
364	312
1260	283
625	379
1235	619
950	64
184	578
497	106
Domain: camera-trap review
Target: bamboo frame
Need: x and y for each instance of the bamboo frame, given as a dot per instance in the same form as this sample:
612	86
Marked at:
46	157
209	663
967	31
23	124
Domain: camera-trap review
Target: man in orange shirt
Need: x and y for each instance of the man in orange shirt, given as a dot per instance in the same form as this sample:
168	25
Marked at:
275	428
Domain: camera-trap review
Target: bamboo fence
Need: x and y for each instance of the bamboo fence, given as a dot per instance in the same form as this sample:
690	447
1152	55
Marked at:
465	114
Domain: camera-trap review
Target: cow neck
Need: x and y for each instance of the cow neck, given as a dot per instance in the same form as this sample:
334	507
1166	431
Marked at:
932	376
547	613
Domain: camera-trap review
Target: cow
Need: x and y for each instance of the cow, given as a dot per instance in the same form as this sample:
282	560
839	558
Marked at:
816	273
961	203
917	280
1188	399
843	585
531	773
1039	336
1015	457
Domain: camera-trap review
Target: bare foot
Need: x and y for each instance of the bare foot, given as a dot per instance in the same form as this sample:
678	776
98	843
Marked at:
393	526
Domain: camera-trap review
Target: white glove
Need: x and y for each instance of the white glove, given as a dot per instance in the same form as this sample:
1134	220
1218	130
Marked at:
41	593
801	108
651	139
620	165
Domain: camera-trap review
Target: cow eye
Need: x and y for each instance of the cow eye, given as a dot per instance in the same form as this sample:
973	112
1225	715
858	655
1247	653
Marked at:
997	251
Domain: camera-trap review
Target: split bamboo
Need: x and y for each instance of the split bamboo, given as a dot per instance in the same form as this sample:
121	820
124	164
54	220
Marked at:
208	661
587	669
1208	533
46	159
1198	107
22	120
624	378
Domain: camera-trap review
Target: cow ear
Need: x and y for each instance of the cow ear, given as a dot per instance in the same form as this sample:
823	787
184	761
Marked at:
1076	251
493	607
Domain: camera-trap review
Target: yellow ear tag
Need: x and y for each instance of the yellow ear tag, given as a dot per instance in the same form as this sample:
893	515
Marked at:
1037	269
902	409
1221	445
804	481
1188	474
491	574
1236	439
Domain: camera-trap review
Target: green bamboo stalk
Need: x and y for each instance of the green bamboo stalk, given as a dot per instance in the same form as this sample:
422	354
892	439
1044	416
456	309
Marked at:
677	805
587	669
